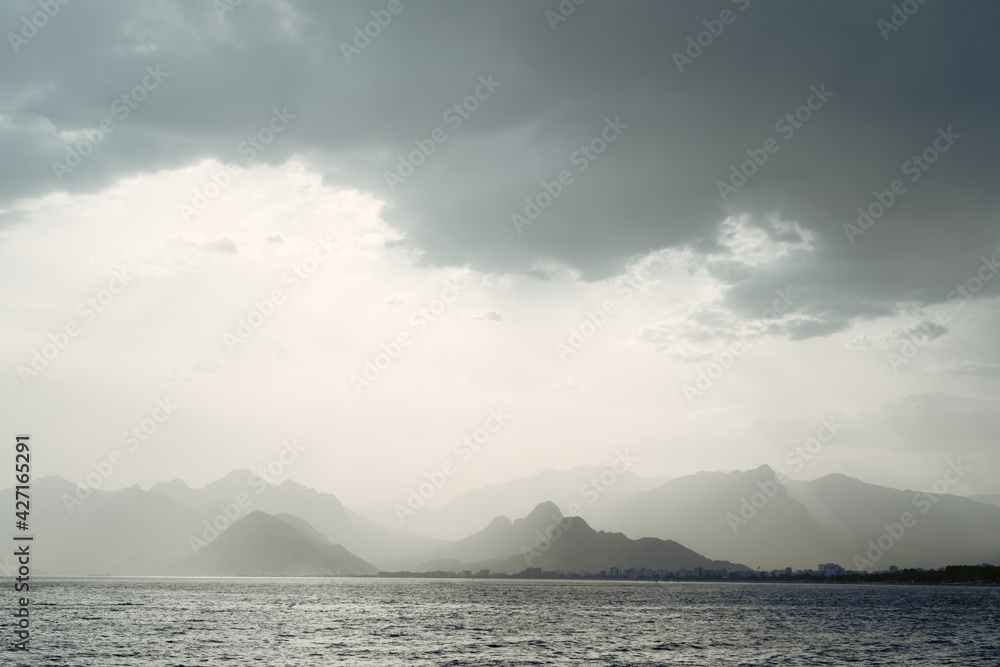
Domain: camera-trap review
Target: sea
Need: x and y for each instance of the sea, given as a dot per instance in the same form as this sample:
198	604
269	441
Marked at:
171	622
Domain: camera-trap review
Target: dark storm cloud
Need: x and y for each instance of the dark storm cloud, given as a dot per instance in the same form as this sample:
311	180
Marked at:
608	75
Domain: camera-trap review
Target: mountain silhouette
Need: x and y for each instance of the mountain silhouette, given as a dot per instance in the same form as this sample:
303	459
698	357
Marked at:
547	539
273	546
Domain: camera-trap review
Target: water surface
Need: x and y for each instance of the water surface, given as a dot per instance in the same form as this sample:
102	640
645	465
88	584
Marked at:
108	622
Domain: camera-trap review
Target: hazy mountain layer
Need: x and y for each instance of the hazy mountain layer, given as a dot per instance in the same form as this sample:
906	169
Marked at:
988	498
263	545
323	511
750	517
740	517
907	528
547	539
601	490
138	532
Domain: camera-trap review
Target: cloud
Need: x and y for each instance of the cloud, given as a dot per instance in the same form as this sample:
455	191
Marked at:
705	328
923	331
656	185
860	343
225	245
490	315
971	368
925	328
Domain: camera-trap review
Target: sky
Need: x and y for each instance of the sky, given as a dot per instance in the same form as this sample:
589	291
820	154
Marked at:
360	243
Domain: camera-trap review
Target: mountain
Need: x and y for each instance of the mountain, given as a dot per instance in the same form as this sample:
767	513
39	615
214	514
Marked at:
129	532
323	511
750	517
988	498
739	517
945	529
137	532
548	540
470	511
746	517
273	546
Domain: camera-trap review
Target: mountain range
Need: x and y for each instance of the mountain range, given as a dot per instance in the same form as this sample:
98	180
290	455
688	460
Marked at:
547	539
755	519
556	520
470	511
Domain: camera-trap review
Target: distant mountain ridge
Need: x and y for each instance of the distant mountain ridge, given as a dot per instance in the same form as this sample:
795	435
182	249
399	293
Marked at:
711	518
261	545
753	518
323	511
470	511
137	532
548	540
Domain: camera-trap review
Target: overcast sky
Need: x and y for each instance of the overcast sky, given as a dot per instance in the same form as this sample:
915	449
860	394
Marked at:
566	218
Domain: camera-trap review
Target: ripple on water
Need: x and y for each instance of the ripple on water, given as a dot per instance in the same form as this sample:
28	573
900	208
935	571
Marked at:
157	622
